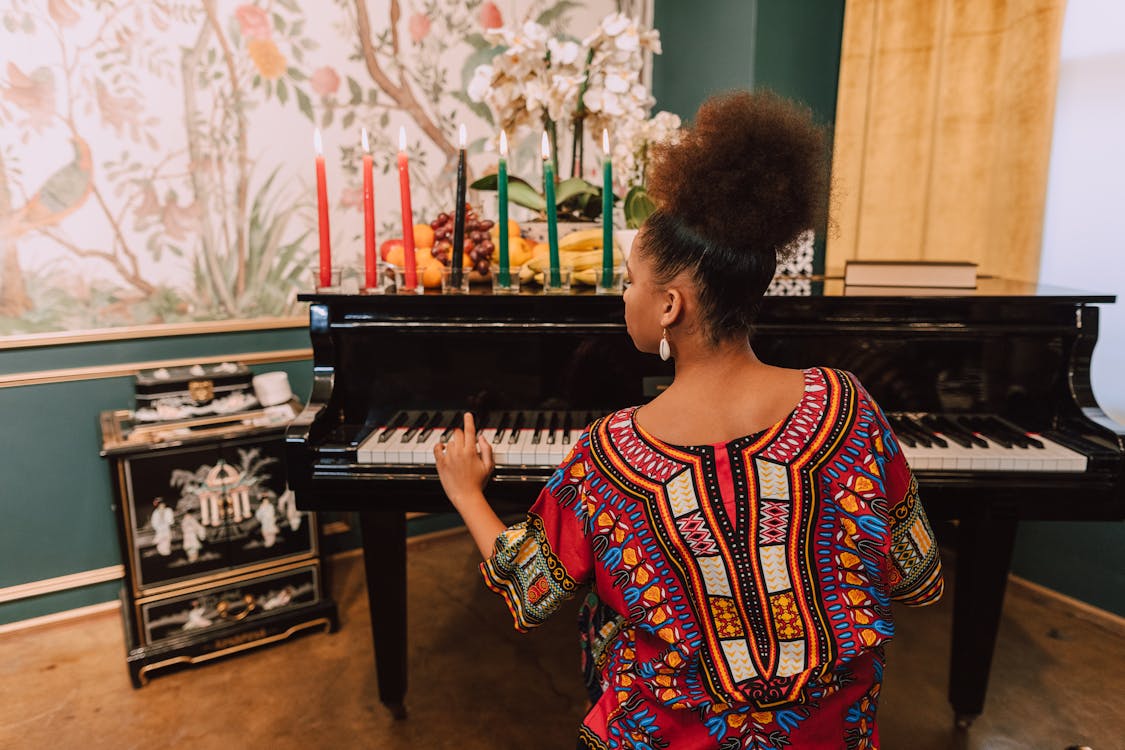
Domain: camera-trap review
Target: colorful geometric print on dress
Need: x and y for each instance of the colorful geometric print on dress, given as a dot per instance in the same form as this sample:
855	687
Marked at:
748	584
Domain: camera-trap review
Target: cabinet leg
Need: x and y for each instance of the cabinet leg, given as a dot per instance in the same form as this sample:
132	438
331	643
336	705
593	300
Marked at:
984	556
384	559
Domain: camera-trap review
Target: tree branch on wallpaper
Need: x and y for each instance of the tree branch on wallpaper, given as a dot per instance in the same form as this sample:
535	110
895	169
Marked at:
243	163
402	93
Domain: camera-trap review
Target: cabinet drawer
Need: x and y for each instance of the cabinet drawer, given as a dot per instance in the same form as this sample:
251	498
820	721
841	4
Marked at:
245	600
205	511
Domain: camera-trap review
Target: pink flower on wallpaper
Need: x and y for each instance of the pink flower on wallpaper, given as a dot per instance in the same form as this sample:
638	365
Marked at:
419	27
352	197
62	13
34	94
490	16
325	80
254	21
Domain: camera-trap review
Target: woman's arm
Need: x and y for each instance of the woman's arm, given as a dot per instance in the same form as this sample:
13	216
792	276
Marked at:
464	465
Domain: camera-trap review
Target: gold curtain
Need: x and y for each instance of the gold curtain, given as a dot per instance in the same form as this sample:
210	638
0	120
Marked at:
943	132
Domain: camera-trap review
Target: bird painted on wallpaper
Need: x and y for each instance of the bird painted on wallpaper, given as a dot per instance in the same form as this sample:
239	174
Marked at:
61	194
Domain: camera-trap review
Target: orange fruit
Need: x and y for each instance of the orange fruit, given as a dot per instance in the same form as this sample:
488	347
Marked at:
431	274
423	235
395	255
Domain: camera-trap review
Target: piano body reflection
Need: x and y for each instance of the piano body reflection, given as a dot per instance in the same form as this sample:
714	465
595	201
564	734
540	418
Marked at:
989	390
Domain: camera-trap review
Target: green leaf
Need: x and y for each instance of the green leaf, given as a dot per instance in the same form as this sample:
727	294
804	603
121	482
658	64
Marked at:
357	92
289	5
349	118
304	104
329	116
282	91
524	195
558	10
279	23
295	74
575	187
638	207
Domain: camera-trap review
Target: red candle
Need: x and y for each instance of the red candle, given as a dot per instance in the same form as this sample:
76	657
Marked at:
322	210
369	256
407	214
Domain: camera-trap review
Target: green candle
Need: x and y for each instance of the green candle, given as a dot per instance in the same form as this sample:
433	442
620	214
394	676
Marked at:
607	214
552	217
502	187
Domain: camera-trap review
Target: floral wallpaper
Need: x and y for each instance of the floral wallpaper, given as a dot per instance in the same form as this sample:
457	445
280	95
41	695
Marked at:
156	160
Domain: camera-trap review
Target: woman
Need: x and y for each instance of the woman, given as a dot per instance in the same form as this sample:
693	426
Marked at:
745	531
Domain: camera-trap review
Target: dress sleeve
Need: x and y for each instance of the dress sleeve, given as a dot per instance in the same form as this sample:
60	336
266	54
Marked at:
914	570
537	564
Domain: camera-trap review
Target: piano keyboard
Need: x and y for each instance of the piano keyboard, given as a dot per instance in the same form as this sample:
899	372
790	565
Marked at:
537	438
518	438
978	443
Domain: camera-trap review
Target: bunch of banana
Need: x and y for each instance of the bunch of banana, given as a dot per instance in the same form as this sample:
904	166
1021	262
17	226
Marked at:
579	251
585	266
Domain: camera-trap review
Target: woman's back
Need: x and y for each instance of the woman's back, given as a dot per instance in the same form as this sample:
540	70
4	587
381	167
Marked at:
746	585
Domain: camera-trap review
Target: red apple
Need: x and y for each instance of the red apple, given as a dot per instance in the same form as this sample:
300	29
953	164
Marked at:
386	247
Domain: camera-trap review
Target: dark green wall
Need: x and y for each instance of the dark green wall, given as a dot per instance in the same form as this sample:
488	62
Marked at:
55	496
712	46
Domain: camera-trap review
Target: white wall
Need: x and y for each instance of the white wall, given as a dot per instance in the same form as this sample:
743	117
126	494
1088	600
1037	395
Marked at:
1084	226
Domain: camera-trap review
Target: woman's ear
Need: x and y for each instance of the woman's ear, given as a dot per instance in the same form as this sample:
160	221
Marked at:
672	310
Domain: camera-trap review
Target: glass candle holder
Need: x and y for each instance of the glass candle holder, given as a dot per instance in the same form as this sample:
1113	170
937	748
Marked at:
333	286
563	285
513	286
400	282
449	287
616	285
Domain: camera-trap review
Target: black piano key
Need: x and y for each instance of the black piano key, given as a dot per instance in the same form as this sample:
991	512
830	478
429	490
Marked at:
904	430
452	420
552	427
935	438
517	425
980	426
501	427
435	421
416	427
567	416
537	434
397	421
1075	442
955	434
941	421
1020	438
901	425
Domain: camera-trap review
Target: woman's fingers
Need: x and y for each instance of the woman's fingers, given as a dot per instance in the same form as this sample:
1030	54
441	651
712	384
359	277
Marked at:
470	429
485	449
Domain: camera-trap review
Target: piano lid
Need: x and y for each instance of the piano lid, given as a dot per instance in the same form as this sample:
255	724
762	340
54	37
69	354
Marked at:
989	288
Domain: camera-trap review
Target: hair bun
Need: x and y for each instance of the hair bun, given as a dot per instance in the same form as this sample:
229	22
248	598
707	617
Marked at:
750	173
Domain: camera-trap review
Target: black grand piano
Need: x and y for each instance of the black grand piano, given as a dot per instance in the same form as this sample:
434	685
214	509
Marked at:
989	390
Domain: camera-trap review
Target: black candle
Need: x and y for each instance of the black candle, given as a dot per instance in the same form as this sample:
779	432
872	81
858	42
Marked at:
458	260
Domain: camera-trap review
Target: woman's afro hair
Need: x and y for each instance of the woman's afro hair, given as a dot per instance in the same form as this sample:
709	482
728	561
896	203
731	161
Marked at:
749	174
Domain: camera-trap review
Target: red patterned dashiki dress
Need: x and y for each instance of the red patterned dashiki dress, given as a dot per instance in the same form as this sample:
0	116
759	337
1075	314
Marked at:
748	584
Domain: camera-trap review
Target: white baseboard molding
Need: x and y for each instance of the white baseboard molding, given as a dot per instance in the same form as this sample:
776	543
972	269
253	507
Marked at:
56	617
1108	620
61	583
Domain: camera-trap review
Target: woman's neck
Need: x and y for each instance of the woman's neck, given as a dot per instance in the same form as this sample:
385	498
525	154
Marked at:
699	366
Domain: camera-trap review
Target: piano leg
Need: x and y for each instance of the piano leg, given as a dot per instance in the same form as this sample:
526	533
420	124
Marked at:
984	555
384	560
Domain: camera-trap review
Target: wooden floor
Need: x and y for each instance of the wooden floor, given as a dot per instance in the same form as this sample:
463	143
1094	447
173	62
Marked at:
1058	679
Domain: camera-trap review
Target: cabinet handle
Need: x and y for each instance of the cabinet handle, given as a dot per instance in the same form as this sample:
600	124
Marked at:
248	603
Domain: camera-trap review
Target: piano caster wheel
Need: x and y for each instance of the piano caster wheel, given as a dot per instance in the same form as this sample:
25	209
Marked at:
398	710
964	721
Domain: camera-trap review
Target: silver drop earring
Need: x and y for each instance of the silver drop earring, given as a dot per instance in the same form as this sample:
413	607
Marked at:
665	348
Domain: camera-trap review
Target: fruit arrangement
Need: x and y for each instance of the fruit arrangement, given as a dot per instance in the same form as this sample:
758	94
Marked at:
433	247
580	251
478	243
